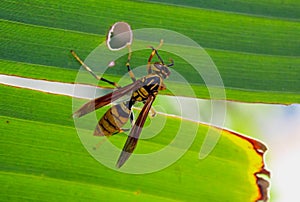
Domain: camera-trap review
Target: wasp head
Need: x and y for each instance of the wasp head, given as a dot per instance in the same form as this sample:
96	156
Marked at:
162	69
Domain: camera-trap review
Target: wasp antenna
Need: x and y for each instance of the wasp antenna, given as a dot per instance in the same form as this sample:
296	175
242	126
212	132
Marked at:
160	44
160	59
151	47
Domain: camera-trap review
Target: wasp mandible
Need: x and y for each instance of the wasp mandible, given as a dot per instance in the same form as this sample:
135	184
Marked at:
143	90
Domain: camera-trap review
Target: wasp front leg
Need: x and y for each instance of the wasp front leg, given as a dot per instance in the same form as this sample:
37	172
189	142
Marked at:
91	71
130	72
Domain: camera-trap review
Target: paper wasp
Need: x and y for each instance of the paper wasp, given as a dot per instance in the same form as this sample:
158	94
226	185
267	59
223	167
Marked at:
143	90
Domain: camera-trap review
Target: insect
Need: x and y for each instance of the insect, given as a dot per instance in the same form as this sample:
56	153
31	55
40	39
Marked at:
142	90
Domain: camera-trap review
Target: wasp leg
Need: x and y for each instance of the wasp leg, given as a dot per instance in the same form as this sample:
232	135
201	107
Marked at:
91	71
100	143
152	112
105	138
128	64
132	119
122	130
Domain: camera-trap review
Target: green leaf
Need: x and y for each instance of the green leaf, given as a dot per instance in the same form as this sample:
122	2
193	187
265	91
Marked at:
44	159
266	8
257	57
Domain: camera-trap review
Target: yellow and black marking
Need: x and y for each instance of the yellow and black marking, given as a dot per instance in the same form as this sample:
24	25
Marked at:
152	82
140	95
113	120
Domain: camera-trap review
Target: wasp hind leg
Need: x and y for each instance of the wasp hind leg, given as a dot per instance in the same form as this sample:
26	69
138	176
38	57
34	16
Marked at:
122	130
132	121
152	112
98	132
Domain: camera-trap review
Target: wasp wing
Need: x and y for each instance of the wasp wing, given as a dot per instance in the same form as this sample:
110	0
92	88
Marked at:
135	132
106	99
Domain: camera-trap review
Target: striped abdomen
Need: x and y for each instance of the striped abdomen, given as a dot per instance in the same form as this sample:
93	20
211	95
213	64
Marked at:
113	120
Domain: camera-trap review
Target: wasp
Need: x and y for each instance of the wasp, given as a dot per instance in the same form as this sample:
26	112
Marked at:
142	90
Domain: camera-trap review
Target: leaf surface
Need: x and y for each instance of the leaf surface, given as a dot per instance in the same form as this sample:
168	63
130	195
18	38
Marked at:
41	149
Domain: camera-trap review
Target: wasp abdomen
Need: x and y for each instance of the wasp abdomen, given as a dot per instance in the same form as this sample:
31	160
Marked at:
113	120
